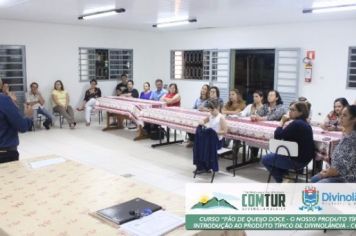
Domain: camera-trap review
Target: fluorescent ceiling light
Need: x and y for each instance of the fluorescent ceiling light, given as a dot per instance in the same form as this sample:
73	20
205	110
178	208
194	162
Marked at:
101	14
93	9
327	9
11	3
174	23
332	3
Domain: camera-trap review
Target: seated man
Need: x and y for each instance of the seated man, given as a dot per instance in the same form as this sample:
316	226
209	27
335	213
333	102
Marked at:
130	91
121	87
159	92
35	100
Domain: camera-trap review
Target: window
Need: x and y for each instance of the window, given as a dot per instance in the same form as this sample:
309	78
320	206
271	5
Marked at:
287	73
212	66
188	65
104	64
13	70
351	74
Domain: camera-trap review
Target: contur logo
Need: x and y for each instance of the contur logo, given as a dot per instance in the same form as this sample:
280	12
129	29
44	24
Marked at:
310	198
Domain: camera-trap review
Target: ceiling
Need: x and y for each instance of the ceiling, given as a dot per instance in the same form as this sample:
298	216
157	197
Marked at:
141	14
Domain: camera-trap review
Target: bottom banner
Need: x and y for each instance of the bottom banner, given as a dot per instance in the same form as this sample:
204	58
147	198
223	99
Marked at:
255	206
270	222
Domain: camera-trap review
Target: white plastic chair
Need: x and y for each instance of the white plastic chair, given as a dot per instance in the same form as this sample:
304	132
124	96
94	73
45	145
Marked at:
289	150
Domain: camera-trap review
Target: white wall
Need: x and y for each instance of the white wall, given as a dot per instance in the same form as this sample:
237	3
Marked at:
52	53
330	40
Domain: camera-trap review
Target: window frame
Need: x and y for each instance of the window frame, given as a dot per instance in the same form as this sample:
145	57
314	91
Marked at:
173	65
349	68
111	75
20	94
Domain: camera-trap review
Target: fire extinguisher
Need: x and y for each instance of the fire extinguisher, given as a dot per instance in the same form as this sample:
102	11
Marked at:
308	69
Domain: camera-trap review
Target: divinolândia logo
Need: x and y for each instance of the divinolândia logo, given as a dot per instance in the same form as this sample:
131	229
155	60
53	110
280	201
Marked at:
310	198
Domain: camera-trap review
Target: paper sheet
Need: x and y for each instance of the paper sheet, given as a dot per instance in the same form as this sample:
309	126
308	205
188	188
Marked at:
148	226
48	162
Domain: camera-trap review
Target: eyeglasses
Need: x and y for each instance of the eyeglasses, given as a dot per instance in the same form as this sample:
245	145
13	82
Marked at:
292	109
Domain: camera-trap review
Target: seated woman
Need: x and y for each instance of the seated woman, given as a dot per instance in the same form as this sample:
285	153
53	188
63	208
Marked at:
7	92
172	98
146	93
130	91
235	104
304	99
257	104
216	120
298	130
233	107
199	104
252	110
61	105
332	120
214	94
272	110
343	159
90	99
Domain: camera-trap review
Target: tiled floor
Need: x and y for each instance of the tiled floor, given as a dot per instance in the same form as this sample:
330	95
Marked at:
169	167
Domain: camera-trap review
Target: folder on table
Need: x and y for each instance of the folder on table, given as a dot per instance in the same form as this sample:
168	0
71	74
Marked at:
127	211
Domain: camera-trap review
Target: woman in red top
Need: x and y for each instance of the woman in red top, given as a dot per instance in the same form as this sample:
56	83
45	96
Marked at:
172	98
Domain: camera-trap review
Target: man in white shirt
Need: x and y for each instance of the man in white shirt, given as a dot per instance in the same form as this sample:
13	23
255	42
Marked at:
35	100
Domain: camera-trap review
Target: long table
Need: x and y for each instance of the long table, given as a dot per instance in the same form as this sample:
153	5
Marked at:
173	118
258	134
255	134
121	108
60	199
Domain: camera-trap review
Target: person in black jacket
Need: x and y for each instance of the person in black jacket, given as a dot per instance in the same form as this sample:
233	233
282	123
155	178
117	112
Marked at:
294	128
130	91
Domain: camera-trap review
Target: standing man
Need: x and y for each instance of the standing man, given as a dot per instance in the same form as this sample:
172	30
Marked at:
35	100
11	122
159	92
121	87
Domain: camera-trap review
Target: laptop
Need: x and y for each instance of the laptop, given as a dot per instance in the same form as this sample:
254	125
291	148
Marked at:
127	211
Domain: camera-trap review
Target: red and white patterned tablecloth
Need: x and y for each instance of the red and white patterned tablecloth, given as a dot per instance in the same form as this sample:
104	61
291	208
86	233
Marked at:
143	103
259	133
255	134
130	107
174	117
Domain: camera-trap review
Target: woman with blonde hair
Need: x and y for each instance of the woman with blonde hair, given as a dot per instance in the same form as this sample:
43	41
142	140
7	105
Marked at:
61	105
235	104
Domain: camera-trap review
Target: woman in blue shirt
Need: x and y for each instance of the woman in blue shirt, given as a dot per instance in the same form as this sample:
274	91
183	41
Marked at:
146	93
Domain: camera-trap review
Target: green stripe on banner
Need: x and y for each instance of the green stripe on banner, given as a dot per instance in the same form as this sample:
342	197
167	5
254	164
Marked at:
270	222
